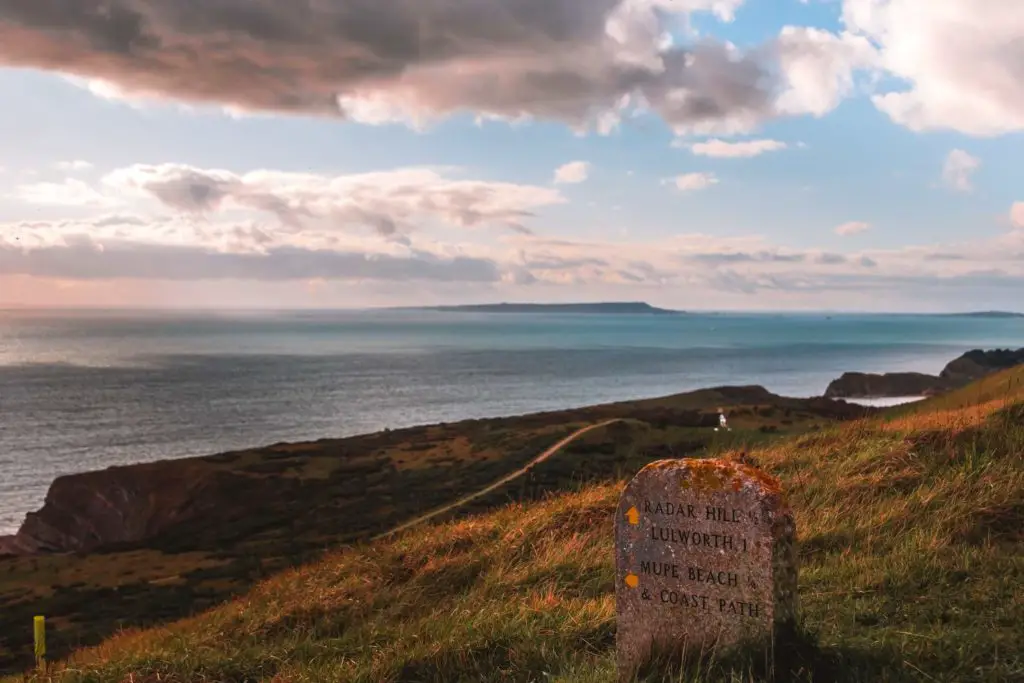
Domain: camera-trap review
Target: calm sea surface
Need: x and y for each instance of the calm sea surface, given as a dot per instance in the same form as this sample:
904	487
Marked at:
85	391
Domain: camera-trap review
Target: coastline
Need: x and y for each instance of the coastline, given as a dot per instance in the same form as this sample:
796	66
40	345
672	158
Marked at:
158	494
12	527
252	421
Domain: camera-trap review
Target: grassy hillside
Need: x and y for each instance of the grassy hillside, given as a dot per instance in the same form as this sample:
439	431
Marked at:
282	505
912	569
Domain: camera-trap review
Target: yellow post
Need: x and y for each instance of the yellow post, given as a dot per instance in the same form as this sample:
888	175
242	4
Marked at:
39	624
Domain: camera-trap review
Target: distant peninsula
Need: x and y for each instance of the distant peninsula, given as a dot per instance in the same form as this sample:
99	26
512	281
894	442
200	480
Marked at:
614	307
983	314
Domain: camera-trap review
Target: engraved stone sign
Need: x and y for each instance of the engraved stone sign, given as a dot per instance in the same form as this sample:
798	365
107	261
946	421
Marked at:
705	558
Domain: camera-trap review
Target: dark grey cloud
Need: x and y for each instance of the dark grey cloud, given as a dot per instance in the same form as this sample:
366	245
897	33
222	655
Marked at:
118	219
545	58
81	258
191	190
747	257
830	259
549	262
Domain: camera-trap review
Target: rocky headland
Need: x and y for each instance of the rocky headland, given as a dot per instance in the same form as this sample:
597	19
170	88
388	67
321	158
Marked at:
958	373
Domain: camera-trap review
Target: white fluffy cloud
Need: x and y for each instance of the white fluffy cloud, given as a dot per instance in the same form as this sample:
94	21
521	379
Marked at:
957	170
689	182
961	61
733	150
1017	214
572	172
852	228
819	68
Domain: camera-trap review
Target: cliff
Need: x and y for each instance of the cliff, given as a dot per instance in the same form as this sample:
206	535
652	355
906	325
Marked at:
977	364
959	372
870	385
128	504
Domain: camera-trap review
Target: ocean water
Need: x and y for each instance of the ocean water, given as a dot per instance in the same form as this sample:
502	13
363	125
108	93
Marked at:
82	391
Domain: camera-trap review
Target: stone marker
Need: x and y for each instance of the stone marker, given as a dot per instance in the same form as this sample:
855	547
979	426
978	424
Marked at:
704	556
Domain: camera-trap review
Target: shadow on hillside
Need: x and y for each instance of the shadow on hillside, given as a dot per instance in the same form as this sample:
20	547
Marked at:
801	660
502	660
798	658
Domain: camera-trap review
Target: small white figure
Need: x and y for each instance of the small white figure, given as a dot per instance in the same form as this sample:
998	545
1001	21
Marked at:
722	422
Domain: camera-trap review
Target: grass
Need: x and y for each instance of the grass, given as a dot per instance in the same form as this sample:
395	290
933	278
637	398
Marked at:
332	492
910	526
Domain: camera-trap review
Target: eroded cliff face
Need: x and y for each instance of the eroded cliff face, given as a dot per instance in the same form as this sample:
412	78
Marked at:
969	367
129	504
871	385
976	364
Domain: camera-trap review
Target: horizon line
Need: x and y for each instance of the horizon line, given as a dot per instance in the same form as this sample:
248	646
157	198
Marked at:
7	308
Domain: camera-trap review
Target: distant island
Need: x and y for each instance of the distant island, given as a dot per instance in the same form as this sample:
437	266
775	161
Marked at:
613	307
983	314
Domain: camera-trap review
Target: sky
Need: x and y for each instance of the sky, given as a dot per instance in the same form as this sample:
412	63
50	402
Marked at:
859	155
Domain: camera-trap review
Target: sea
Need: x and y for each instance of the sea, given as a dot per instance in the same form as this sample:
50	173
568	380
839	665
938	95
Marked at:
86	390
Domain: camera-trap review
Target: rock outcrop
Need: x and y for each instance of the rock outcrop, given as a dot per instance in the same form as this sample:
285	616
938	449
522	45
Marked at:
969	367
976	364
870	385
128	504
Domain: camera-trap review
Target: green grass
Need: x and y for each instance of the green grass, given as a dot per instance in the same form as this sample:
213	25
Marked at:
910	532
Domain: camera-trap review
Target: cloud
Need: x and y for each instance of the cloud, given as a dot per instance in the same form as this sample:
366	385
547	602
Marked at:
1017	214
88	260
572	172
389	203
118	220
734	150
830	258
751	266
852	228
587	63
70	192
694	181
71	166
819	67
747	270
747	257
957	170
961	62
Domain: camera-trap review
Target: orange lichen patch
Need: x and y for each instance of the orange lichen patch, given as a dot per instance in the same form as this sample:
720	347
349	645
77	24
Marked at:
715	474
710	475
722	470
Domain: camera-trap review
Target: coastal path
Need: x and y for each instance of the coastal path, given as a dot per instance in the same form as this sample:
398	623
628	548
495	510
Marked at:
501	482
